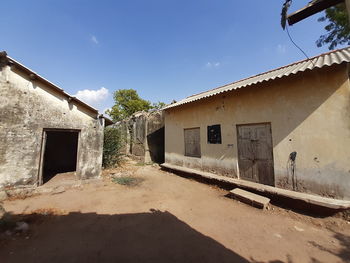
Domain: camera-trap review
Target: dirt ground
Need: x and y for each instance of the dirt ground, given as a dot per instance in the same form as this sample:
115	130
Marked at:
164	218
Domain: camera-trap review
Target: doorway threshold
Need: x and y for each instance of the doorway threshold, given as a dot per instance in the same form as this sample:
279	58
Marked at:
317	200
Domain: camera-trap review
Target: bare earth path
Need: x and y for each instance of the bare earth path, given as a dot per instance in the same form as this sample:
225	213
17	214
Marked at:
167	218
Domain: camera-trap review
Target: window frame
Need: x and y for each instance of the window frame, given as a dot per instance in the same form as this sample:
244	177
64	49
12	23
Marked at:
209	137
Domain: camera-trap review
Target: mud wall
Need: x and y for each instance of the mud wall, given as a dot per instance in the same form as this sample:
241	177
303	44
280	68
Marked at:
27	107
143	136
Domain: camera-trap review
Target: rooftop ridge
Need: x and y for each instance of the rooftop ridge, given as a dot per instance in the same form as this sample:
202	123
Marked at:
272	70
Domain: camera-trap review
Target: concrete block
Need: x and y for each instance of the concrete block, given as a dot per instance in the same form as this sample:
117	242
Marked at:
250	198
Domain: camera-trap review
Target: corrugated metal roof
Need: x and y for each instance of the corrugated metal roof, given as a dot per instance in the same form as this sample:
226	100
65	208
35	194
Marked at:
326	59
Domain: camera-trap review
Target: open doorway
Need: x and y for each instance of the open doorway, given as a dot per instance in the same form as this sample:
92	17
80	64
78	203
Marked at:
60	153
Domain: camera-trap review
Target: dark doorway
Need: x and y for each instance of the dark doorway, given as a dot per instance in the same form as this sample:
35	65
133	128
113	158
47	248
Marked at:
60	153
255	156
155	142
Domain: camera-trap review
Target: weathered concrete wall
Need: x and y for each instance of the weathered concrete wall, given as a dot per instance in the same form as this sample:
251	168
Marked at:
143	136
26	108
309	113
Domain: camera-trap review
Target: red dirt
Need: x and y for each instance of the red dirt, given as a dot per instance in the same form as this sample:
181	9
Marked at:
166	218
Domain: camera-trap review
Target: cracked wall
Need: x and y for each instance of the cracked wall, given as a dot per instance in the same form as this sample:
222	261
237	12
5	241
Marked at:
143	136
27	107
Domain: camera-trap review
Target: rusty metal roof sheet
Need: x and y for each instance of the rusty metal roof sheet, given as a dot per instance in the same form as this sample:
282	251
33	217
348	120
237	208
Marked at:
326	59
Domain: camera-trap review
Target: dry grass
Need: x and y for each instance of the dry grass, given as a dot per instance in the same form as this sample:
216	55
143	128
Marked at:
127	180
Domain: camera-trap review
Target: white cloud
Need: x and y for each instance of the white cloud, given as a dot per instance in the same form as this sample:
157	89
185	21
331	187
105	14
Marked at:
212	64
94	39
93	97
281	49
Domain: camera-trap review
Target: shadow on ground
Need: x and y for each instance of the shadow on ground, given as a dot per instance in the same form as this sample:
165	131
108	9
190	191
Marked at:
144	237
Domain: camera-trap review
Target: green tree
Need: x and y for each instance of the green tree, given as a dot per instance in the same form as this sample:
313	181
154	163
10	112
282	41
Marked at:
338	28
127	102
159	105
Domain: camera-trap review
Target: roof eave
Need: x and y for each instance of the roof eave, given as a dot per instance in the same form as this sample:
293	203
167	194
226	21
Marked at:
50	84
339	56
108	121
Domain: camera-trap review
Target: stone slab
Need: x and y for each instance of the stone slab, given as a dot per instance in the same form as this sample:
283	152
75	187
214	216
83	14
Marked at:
308	198
250	198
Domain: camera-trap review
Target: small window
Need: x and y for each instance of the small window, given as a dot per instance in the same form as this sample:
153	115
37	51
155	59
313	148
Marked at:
192	142
214	134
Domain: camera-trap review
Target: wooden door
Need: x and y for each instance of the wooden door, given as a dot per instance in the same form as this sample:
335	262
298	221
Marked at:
255	157
192	142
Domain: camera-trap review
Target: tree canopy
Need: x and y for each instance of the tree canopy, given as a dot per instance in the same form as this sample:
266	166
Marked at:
338	28
127	102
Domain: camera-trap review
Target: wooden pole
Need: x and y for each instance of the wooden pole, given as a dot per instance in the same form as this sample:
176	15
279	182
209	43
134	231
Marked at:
347	3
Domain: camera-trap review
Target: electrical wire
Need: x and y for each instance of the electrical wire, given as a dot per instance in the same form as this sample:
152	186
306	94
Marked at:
291	39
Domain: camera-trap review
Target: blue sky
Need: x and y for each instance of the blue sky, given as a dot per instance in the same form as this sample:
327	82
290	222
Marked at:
165	49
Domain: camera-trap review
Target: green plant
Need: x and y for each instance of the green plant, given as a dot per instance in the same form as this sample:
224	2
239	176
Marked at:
112	144
127	180
127	102
338	27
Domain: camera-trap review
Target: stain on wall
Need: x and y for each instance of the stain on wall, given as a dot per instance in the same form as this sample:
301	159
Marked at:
309	114
143	136
27	107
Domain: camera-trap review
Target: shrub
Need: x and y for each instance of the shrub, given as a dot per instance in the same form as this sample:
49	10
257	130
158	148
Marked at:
111	147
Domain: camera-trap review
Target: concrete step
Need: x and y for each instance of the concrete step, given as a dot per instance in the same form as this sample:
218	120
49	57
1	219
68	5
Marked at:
312	199
250	198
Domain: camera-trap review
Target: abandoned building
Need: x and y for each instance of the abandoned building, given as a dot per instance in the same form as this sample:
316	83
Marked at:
288	128
143	136
43	130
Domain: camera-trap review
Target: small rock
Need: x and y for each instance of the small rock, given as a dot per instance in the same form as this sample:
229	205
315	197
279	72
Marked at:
22	227
58	190
278	235
3	196
298	229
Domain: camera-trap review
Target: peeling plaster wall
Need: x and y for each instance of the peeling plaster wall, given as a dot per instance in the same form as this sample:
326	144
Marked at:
143	136
309	113
26	108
